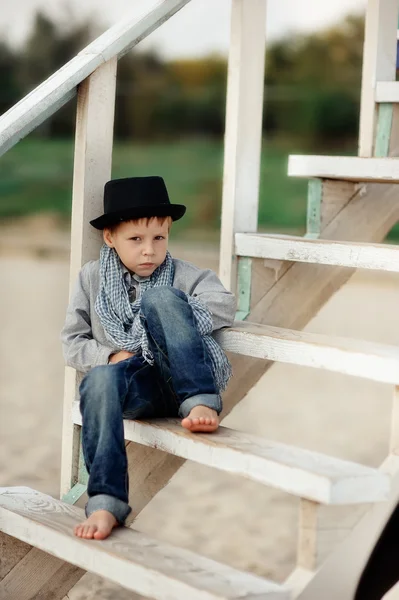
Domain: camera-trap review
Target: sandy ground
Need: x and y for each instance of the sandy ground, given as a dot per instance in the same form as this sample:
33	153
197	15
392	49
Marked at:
219	515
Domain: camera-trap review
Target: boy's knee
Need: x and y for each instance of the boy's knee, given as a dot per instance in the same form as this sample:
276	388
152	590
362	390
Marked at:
97	381
160	297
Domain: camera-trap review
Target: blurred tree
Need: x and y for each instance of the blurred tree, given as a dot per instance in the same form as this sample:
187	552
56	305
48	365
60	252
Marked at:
141	83
315	82
48	47
9	90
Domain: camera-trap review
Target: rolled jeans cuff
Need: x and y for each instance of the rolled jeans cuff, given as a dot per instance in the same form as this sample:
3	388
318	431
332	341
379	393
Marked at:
117	507
213	401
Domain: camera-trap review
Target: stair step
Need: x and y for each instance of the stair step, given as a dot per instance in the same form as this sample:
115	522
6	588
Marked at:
371	360
387	91
294	470
326	252
132	559
350	168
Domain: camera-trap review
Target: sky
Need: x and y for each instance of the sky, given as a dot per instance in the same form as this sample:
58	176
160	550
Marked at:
200	28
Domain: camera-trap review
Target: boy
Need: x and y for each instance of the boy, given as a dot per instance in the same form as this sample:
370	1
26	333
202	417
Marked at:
139	323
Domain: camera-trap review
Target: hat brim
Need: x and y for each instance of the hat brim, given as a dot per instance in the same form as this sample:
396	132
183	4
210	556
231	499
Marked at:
176	211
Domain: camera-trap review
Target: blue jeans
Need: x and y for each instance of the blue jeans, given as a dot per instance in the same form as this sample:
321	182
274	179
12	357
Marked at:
180	379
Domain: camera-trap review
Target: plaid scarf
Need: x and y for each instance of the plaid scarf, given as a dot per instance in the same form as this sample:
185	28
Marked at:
121	318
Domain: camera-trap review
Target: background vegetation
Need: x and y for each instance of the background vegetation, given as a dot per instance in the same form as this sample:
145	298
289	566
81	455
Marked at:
170	121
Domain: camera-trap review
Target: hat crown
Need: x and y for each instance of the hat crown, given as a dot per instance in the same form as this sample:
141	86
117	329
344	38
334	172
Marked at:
136	198
134	192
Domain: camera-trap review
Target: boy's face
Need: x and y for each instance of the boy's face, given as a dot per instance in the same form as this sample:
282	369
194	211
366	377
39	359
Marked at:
141	245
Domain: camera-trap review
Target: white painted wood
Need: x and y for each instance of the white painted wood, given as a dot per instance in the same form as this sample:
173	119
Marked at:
128	32
350	168
387	91
294	470
298	580
243	134
58	89
378	362
307	534
394	440
339	575
383	257
130	558
92	168
379	64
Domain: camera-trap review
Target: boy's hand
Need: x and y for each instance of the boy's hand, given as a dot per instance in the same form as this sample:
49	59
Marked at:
119	356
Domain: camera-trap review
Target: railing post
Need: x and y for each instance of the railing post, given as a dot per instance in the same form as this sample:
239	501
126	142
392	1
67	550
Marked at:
92	168
379	64
243	135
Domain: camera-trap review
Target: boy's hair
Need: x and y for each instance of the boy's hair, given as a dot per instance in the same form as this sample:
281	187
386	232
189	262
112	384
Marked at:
112	228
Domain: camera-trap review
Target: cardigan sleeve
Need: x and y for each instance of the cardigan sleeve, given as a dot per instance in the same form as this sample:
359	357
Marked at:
80	350
205	286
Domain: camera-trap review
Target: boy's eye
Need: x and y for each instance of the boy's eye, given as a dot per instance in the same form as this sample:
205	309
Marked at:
160	237
135	239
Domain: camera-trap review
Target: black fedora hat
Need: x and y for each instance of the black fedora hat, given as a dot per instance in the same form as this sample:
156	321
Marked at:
135	198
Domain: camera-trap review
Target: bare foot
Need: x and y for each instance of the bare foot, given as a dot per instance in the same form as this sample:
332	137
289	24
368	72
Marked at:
98	526
201	418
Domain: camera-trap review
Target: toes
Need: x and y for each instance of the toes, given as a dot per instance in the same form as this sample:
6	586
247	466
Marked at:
102	533
89	531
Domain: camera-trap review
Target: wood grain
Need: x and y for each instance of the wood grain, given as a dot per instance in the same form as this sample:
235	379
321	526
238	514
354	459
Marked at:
382	257
294	470
243	137
132	559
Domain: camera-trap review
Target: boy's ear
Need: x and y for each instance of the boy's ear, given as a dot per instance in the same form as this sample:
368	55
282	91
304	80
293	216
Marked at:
107	236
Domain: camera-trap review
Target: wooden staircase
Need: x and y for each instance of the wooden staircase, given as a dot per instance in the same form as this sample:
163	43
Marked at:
282	281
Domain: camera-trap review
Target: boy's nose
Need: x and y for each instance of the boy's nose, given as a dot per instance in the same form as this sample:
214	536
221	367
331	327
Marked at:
148	251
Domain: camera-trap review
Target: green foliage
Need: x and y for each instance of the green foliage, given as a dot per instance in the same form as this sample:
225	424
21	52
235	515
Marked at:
36	176
315	83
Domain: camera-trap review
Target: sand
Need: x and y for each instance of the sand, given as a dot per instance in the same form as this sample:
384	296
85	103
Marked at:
218	515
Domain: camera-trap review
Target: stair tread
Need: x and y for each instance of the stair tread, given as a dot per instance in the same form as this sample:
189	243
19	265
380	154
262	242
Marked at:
387	91
329	252
131	558
349	168
298	471
371	360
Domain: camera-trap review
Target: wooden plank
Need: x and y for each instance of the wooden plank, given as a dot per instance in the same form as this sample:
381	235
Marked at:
379	64
39	576
265	274
128	32
349	168
294	470
58	89
350	557
384	126
387	91
92	168
11	552
244	271
378	362
297	581
394	437
130	558
243	133
307	535
382	257
336	195
315	195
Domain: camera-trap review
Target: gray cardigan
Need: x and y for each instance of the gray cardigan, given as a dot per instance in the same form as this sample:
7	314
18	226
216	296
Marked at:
84	342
